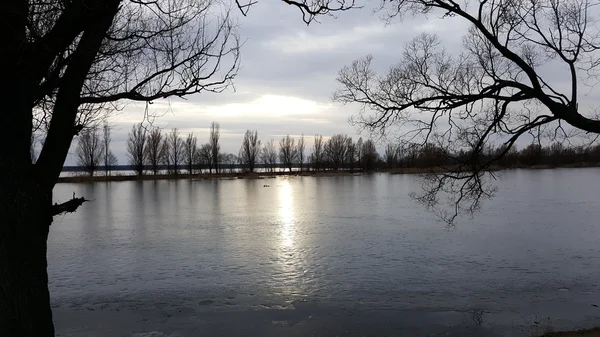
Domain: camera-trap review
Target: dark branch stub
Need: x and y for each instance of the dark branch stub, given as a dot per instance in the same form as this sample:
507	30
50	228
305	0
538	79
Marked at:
68	206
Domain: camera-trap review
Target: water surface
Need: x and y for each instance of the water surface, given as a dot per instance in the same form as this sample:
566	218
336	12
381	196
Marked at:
348	255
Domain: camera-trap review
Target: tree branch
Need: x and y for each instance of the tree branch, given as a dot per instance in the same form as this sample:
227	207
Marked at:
68	206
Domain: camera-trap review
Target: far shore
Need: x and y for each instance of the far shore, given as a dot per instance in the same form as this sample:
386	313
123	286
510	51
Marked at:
83	178
204	176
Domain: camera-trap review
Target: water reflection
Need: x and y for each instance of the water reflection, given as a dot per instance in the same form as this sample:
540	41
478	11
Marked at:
335	240
286	214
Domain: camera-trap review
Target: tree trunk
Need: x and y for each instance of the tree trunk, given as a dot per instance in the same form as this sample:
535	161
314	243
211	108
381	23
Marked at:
24	297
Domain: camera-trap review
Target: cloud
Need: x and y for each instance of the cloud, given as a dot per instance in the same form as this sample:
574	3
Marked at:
305	42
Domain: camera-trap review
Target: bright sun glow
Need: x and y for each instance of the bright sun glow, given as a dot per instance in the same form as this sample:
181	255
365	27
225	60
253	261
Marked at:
269	105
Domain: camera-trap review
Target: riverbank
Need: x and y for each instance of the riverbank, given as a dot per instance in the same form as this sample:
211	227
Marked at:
80	178
205	176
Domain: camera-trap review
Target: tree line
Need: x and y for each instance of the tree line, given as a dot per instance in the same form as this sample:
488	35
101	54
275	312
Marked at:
151	150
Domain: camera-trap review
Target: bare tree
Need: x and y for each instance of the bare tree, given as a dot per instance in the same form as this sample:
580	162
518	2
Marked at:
214	136
369	155
205	155
66	63
350	153
175	149
335	150
153	148
391	155
231	160
190	149
108	157
249	150
300	152
498	88
136	148
164	156
288	151
268	155
89	150
318	152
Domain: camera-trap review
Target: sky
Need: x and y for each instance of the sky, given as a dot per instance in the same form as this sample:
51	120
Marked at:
287	76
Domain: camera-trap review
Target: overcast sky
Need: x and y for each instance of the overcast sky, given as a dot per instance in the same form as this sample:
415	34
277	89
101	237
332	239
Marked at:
287	76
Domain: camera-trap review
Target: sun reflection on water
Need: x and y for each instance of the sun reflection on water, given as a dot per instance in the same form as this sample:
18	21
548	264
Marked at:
286	214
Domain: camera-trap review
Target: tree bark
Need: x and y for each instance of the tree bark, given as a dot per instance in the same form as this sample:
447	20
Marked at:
24	297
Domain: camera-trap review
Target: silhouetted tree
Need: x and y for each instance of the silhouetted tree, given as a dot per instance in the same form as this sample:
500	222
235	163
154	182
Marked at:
350	153
287	152
175	149
108	157
190	149
268	155
369	155
89	150
335	150
165	158
206	157
230	160
300	152
492	89
153	149
136	148
391	155
249	150
318	154
215	134
66	63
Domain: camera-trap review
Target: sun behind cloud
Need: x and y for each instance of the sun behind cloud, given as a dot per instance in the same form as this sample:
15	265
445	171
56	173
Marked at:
268	106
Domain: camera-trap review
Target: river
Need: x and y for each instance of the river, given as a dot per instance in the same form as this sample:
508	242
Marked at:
325	256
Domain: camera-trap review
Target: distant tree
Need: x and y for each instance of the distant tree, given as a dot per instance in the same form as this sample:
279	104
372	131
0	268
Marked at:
249	150
300	152
215	147
369	155
288	151
350	153
89	150
136	148
318	152
175	149
153	148
268	155
391	155
335	150
108	157
165	157
206	157
190	149
230	160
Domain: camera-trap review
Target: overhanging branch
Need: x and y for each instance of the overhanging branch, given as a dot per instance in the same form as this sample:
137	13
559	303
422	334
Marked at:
68	206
